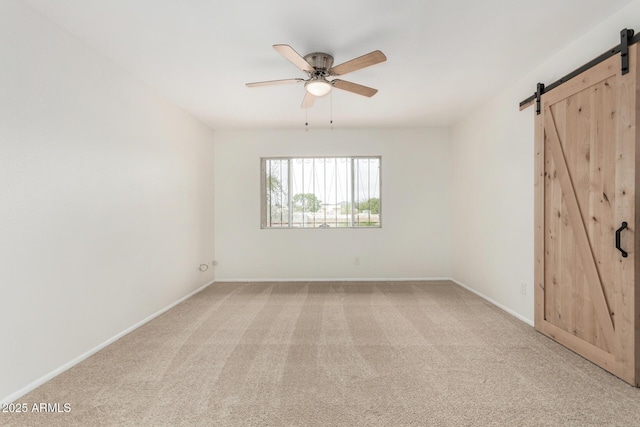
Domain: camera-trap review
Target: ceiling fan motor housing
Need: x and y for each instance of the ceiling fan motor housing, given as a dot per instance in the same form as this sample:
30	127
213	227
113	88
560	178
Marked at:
322	62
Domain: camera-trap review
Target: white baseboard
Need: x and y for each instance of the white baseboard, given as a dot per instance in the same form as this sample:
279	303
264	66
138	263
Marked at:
494	302
338	279
37	383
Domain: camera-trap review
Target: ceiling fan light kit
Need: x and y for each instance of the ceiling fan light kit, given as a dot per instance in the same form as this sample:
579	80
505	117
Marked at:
318	87
319	66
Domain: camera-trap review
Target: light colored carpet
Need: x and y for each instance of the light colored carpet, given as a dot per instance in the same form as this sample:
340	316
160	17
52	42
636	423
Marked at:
335	354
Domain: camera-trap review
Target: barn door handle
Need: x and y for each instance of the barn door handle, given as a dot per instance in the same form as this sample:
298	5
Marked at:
618	231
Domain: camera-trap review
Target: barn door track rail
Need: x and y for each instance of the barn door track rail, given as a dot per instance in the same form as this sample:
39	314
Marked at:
627	38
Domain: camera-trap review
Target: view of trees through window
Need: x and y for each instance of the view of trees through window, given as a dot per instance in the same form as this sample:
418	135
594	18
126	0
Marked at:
321	192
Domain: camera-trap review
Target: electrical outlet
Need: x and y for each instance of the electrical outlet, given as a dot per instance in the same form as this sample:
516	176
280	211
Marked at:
523	288
356	261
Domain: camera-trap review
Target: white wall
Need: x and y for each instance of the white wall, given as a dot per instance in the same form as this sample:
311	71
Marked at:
106	200
492	176
412	243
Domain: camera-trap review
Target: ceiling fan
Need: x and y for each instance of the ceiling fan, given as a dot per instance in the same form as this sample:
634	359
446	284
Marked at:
319	66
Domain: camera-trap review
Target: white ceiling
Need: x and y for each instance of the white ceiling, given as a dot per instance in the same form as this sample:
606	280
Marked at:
444	57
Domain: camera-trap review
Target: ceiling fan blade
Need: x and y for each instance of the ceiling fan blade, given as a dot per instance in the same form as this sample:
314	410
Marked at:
354	87
275	82
308	100
293	56
363	61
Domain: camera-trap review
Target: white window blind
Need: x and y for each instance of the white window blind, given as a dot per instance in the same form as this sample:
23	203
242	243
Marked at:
321	192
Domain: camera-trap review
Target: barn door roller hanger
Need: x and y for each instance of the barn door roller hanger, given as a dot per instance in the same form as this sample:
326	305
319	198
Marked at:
627	38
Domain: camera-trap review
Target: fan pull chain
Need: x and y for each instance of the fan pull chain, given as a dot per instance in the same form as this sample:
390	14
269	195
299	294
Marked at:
331	110
306	119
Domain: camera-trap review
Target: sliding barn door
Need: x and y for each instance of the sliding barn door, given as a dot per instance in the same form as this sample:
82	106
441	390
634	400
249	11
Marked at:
585	295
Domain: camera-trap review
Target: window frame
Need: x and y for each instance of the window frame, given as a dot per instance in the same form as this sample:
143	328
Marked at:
263	192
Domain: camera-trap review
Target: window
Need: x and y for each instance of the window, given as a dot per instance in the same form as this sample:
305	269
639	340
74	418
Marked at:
321	192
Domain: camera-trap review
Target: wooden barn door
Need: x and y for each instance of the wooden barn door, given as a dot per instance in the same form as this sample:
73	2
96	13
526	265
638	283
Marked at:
585	294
